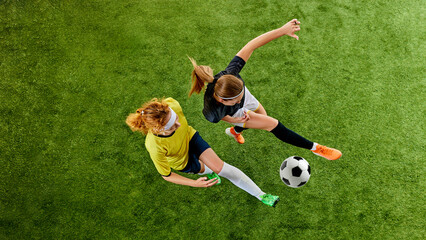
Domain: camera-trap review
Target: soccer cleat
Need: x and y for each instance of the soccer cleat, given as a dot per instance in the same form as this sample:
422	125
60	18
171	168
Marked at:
326	152
237	136
214	175
269	199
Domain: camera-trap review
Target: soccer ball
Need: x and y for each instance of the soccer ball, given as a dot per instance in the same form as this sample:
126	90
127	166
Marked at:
295	171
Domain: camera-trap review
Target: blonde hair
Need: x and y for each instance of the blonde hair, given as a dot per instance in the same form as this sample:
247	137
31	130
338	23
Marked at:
226	86
151	117
200	75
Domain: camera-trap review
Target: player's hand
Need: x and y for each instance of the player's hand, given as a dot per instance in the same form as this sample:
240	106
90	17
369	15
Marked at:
242	119
203	182
291	27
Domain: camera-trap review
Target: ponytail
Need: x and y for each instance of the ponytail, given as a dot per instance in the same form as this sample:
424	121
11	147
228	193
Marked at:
150	117
200	75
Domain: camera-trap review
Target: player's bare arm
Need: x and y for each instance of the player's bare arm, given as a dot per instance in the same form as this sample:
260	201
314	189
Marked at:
200	182
288	29
230	119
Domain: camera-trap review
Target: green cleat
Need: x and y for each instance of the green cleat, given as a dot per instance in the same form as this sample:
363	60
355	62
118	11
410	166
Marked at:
269	199
214	175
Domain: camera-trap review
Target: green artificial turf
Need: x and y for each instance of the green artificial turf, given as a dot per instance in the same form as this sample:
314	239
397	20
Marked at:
71	71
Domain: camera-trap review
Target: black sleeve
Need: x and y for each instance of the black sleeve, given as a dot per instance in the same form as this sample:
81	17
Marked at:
210	116
211	109
236	65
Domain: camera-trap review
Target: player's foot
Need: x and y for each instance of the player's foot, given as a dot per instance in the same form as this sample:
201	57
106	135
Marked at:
269	199
237	136
214	175
326	152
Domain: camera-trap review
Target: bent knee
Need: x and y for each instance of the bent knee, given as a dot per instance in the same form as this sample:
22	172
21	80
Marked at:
272	124
217	169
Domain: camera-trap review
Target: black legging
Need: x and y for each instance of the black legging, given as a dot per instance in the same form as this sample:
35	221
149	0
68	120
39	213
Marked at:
286	135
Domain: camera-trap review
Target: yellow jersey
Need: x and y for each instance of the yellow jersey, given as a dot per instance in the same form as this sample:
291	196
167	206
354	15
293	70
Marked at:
171	151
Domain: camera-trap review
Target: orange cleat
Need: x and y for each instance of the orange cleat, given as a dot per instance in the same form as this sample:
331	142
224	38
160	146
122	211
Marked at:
326	152
237	136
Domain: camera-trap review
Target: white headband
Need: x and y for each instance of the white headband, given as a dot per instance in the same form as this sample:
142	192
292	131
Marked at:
232	97
171	121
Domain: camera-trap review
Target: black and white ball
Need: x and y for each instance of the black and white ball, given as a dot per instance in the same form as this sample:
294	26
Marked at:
295	171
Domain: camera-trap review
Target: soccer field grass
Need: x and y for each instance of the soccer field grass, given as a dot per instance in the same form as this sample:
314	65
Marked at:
71	72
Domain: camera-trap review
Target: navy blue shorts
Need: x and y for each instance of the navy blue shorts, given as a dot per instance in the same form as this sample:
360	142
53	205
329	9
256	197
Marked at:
197	146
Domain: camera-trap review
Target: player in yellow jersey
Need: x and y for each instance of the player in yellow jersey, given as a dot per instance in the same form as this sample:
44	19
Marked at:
173	144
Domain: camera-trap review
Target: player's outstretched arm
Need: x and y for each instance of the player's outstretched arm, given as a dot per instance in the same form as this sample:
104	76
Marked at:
200	182
288	29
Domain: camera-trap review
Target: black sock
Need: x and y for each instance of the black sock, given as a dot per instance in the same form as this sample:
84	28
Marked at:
288	136
239	129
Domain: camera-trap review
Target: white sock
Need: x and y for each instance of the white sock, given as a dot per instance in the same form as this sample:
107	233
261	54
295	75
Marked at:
207	170
314	147
239	179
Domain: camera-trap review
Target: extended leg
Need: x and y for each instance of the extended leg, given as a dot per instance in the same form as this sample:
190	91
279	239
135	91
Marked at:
233	174
260	121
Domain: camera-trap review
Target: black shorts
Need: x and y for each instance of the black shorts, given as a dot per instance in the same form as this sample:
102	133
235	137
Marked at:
197	146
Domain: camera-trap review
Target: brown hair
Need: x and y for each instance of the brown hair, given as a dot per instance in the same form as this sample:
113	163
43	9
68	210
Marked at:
200	75
228	86
150	117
